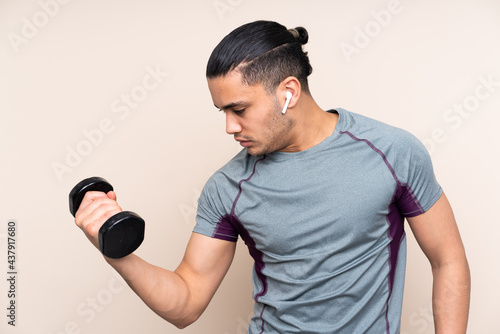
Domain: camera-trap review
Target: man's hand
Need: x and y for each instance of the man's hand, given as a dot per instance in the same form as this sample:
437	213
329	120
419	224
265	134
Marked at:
95	209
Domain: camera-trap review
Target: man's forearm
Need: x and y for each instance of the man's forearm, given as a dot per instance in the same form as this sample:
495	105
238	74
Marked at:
164	291
451	297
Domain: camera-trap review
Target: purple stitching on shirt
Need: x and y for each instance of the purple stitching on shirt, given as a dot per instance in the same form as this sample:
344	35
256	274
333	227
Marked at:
229	224
225	230
403	198
408	200
261	312
396	232
245	235
376	150
244	180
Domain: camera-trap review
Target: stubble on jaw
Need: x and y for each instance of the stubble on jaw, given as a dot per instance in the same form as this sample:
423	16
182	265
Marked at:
274	137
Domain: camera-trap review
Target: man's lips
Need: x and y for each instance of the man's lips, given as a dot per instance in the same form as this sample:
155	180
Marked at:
243	142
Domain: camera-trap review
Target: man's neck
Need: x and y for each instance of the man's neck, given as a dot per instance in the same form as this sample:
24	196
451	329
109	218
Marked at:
312	125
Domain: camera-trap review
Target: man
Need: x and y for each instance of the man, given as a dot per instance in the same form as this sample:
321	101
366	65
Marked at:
319	197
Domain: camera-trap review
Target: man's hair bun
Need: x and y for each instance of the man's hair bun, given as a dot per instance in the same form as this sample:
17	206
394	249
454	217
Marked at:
303	35
300	34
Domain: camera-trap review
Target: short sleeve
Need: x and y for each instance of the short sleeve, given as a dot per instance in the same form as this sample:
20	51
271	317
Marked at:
212	217
418	187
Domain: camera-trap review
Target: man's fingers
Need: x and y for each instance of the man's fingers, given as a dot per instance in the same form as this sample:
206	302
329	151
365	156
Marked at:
112	195
94	215
97	210
91	196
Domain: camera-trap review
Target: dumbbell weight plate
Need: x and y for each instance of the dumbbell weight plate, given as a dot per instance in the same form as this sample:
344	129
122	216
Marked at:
121	234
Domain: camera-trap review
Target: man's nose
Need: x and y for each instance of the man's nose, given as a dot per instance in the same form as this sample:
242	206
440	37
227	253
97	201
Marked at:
232	124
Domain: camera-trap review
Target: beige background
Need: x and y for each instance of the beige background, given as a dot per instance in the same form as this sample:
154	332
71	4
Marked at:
66	66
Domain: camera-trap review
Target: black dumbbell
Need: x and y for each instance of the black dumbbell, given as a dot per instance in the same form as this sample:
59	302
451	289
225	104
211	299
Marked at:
121	234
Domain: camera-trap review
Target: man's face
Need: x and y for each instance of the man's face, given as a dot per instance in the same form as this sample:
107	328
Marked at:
253	116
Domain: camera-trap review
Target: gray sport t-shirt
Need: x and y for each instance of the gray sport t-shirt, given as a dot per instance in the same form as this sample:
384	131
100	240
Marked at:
325	226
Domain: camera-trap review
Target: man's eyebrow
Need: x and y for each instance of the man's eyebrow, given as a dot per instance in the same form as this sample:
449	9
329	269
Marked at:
230	105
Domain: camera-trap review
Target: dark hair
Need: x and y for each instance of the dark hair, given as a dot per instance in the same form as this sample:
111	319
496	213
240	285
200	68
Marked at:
268	53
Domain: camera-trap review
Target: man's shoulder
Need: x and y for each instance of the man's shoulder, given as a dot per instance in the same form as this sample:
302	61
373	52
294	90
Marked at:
376	132
235	169
240	161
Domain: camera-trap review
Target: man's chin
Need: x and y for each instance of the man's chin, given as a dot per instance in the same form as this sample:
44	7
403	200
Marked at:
253	152
256	151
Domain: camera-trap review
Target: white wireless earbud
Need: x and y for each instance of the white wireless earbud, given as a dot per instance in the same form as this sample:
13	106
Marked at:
288	98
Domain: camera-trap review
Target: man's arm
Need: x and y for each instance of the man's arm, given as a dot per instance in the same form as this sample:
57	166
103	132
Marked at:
437	234
179	296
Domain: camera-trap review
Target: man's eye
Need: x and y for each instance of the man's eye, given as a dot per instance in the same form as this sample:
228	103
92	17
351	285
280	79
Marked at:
239	111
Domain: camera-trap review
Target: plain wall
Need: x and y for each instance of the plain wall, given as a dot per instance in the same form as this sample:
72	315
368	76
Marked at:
66	69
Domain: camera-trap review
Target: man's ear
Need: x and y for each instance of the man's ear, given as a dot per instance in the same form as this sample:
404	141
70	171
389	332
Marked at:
289	96
290	85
